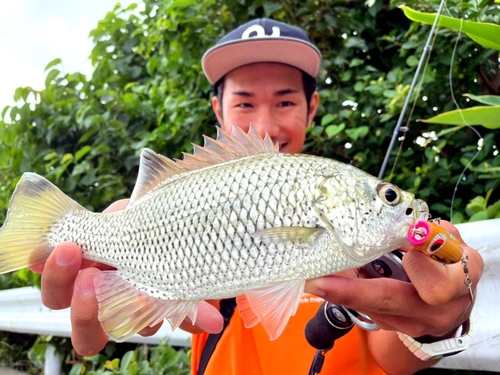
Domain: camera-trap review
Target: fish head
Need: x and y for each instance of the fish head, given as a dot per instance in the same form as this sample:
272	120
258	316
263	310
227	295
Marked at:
368	217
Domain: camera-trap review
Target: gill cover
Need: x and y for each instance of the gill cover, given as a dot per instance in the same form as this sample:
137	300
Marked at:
367	217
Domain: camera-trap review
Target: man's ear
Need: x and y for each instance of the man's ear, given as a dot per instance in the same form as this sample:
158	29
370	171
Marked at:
313	107
217	107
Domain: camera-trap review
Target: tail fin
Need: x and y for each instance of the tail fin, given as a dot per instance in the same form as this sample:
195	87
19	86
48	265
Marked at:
35	207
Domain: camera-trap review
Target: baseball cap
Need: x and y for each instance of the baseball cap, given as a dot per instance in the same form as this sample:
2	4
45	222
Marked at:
261	40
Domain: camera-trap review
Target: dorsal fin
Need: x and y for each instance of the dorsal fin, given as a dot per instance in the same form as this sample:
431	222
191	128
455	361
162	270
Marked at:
155	168
228	147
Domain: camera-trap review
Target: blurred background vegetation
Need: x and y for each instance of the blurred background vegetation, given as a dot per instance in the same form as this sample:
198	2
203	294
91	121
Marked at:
148	90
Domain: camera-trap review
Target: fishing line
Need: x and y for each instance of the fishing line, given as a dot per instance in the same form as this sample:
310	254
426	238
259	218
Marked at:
450	79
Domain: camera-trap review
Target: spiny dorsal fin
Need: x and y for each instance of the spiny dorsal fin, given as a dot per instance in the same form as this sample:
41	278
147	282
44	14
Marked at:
155	168
228	147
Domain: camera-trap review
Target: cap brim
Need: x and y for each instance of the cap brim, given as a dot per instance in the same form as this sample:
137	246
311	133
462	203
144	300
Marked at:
223	58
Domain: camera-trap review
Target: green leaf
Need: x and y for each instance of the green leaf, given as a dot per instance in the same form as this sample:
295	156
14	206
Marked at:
51	76
77	369
328	118
4	111
412	61
270	8
479	216
82	152
112	365
493	210
477	204
67	158
355	62
489	117
358	132
151	66
333	130
52	63
486	34
485	99
458	218
128	357
355	42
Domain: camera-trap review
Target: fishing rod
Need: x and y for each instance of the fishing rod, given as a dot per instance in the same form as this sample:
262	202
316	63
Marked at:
425	53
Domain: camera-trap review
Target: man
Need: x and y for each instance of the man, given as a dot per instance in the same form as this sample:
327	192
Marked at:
263	73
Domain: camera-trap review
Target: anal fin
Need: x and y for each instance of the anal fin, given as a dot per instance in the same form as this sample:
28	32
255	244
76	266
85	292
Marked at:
122	314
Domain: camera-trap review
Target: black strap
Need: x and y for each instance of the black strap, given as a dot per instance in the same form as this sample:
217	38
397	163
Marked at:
227	307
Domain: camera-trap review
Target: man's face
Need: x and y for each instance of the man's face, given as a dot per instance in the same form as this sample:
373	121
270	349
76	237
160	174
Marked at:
271	97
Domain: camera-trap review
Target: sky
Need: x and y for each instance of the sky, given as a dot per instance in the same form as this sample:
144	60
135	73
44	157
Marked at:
35	32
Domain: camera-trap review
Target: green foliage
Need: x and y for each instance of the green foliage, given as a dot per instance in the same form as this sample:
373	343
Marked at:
13	352
487	116
480	209
144	360
19	279
365	84
486	34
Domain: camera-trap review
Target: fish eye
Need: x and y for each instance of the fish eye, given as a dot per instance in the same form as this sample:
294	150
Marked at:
389	193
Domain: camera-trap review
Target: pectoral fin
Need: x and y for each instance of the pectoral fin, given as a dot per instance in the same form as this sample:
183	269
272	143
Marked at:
288	235
272	306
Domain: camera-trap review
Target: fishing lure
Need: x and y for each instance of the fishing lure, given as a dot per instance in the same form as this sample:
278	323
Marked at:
435	241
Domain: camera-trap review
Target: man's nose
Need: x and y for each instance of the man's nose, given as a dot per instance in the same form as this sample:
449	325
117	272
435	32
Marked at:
266	123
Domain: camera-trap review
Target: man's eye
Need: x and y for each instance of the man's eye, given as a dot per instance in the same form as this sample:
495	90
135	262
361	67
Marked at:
243	105
286	104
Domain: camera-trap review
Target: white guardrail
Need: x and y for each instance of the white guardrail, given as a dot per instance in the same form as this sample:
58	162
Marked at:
21	310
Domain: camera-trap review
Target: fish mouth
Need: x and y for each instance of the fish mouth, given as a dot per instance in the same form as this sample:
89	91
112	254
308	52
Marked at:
418	209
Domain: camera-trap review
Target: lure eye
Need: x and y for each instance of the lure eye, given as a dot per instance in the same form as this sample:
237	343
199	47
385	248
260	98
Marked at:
389	193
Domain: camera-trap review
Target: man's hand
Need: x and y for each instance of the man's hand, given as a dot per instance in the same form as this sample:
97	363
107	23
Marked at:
68	281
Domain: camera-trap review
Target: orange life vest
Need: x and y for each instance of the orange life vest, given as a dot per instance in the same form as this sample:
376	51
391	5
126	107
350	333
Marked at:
242	351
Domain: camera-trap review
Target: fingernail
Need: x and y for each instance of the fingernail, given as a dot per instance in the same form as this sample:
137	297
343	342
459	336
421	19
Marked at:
318	292
64	257
86	285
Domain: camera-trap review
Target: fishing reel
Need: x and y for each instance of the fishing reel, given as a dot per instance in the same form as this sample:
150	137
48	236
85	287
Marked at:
332	321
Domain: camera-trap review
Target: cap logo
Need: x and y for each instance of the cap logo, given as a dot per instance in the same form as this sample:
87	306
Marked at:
259	32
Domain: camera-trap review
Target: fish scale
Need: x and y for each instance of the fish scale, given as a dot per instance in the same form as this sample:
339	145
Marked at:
256	225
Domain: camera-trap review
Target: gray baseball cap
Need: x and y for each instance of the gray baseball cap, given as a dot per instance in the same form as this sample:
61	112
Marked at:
261	40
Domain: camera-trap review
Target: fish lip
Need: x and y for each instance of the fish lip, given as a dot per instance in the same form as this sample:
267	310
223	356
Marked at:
420	210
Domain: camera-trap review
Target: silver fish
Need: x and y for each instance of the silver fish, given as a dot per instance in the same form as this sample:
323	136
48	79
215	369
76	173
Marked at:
236	218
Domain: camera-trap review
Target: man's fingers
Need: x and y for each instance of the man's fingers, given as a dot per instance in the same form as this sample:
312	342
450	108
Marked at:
150	331
59	274
87	336
437	283
380	295
209	318
117	206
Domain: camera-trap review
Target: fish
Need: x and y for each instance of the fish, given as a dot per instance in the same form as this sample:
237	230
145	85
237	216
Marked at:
235	218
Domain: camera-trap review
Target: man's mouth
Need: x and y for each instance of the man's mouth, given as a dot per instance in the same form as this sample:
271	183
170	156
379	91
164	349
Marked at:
283	145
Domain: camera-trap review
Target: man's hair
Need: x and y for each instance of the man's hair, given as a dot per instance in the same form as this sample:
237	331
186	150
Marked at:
308	82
